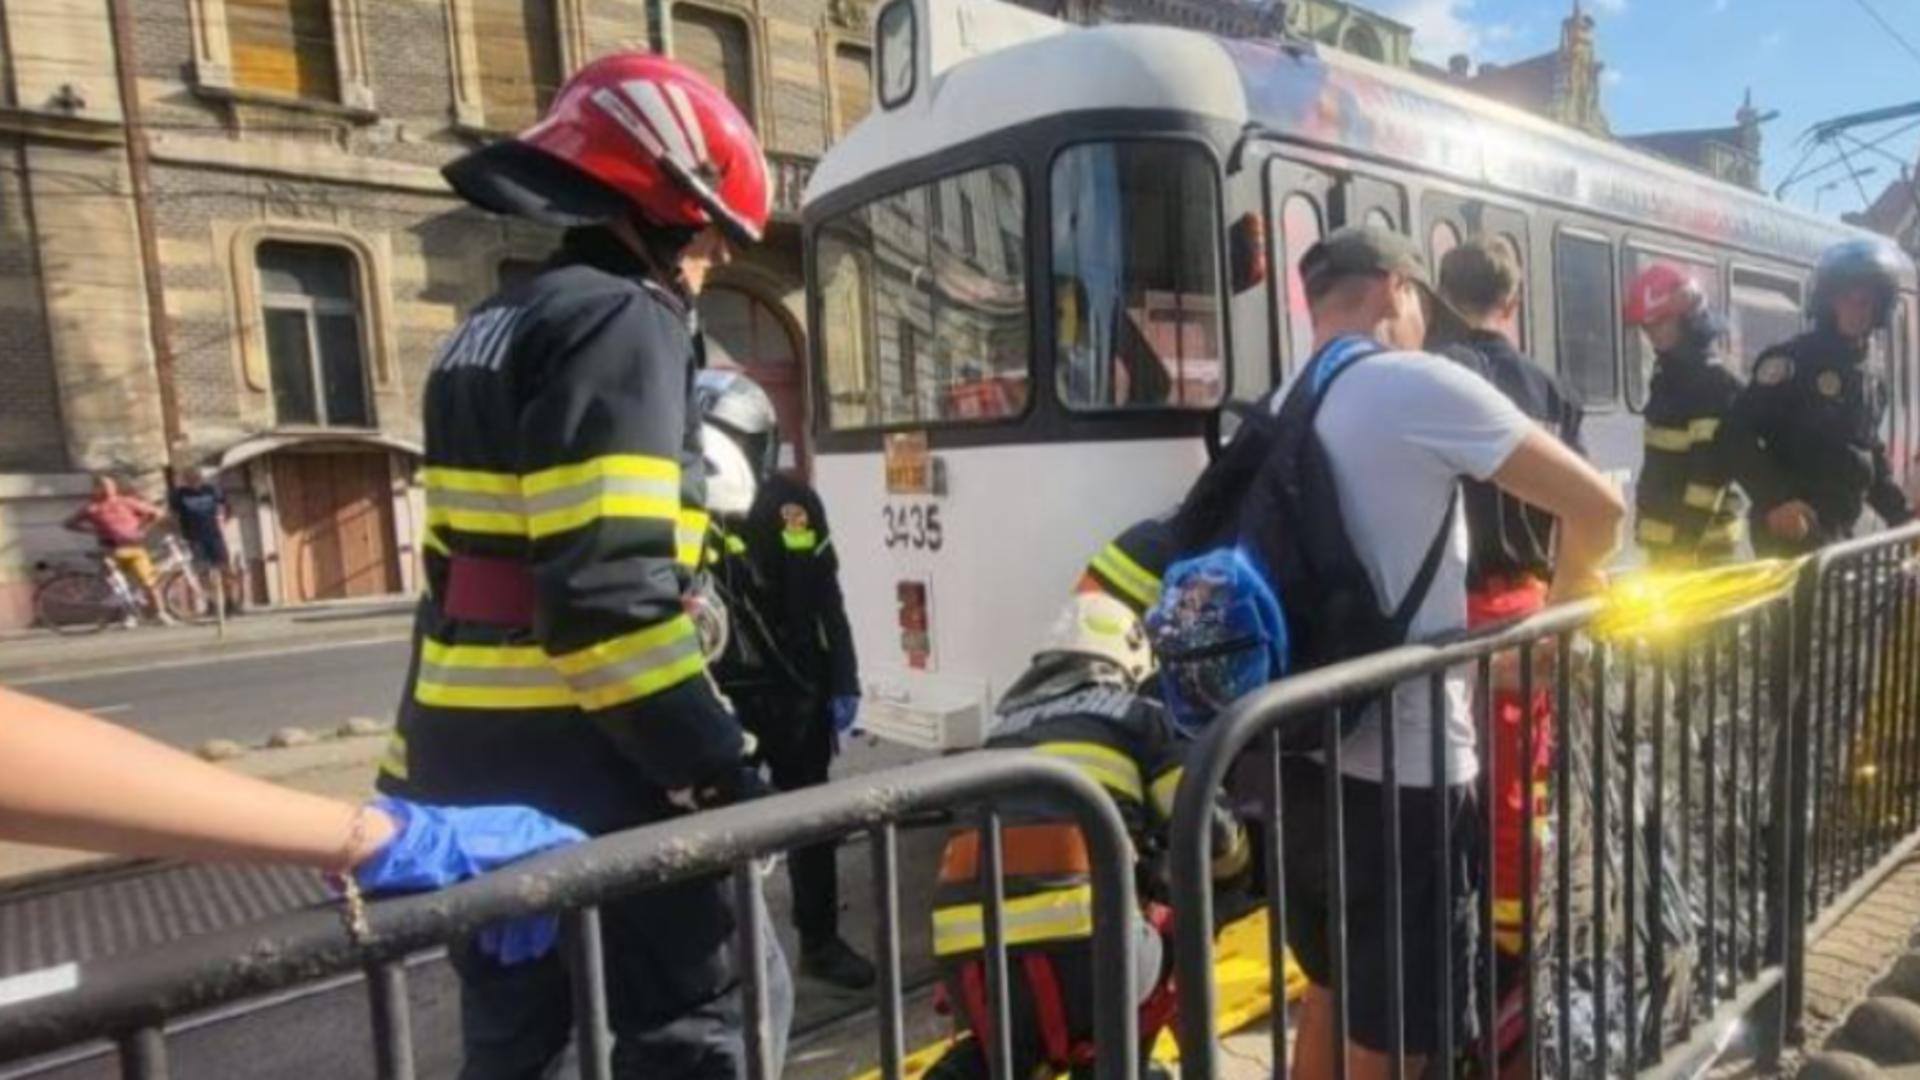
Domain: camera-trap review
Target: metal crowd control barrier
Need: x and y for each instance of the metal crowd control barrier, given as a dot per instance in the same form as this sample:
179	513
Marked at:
1652	908
1855	780
129	999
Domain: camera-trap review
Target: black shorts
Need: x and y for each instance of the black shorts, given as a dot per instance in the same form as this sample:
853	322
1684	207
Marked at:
1429	886
209	552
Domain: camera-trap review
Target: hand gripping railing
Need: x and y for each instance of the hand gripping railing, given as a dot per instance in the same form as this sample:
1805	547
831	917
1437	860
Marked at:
129	999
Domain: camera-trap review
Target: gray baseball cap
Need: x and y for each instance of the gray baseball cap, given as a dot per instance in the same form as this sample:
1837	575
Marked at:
1354	250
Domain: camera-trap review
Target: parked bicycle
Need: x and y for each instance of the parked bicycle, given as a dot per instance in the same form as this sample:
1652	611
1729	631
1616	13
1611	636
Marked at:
74	599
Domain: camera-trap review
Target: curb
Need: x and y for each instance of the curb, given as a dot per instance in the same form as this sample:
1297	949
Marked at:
196	646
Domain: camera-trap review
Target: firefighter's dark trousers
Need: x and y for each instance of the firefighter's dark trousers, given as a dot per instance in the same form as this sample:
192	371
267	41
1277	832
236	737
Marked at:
674	998
796	741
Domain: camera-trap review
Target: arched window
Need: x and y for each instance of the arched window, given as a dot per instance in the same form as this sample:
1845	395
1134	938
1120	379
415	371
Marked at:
1361	40
719	46
744	330
310	314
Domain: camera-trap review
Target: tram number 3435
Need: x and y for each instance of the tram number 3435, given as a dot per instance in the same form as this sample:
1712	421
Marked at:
913	525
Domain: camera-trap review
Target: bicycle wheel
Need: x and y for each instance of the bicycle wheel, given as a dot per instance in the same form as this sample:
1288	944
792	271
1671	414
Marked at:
75	603
185	600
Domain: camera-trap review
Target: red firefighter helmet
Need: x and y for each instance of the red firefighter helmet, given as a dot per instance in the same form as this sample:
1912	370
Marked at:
1661	292
629	133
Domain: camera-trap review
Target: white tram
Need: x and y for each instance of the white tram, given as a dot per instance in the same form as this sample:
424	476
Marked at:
1050	253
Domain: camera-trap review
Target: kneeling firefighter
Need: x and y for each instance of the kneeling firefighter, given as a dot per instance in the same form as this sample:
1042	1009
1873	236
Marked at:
554	663
1078	701
789	665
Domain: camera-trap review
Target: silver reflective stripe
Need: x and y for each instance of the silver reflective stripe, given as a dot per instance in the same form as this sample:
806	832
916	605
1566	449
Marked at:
621	671
485	502
448	675
574	494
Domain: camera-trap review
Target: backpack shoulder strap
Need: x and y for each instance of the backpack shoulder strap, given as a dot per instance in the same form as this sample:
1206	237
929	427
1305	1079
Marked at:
1422	583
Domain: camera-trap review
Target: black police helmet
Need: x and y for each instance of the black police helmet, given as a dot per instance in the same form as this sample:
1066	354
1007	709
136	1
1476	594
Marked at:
1867	261
737	405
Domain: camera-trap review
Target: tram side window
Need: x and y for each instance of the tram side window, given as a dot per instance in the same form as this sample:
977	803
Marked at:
1765	312
1520	329
1136	277
1588	318
920	324
1300	228
1639	354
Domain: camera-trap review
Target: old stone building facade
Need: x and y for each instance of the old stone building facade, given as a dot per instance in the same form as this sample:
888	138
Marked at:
302	258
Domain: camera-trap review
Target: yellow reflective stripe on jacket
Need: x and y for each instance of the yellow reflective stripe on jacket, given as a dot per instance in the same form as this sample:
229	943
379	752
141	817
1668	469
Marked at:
1704	429
488	677
1654	532
690	536
1164	789
1132	579
474	501
634	665
568	497
430	540
1055	915
393	761
1729	532
1110	767
1673	440
1702	496
799	540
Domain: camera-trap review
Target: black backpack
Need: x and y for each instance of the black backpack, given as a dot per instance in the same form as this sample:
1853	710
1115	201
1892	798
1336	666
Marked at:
1270	493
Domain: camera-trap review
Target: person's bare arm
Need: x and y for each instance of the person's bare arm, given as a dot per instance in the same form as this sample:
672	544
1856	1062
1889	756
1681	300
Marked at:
1544	472
73	781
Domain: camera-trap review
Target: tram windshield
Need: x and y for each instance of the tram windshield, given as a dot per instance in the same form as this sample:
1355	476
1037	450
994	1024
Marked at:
924	313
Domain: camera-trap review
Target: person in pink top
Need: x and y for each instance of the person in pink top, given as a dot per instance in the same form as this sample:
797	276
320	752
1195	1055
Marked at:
121	522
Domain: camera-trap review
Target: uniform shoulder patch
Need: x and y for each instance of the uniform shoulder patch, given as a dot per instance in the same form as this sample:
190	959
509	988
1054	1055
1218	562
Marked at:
1773	369
1828	384
794	516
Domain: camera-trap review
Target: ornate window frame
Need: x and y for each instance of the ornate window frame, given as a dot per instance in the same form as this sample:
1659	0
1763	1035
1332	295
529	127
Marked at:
469	102
758	61
213	55
374	281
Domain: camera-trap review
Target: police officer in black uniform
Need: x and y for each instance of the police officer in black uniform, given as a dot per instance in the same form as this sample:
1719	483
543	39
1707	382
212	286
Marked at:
789	666
1805	434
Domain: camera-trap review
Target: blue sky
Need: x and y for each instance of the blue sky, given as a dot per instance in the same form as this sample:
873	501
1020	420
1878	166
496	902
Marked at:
1685	63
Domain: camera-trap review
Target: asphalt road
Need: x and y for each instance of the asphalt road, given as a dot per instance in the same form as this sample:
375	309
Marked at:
245	698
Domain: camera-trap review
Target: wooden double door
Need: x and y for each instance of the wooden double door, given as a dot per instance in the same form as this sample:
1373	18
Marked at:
336	525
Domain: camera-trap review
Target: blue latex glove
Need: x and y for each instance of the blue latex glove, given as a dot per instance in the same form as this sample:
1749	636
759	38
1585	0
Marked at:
845	709
437	846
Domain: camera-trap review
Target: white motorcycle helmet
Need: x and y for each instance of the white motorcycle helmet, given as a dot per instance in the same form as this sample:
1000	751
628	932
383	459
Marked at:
1096	625
731	480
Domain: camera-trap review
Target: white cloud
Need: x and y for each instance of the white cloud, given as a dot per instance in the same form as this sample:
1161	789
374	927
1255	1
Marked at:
1611	7
1772	41
1720	6
1611	77
1441	28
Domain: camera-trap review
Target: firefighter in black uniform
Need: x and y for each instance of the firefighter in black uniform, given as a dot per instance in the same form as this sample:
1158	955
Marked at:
790	668
1078	702
1805	434
1689	513
553	661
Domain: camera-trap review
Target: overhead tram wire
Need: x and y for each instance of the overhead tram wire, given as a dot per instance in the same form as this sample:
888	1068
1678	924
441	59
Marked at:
1891	30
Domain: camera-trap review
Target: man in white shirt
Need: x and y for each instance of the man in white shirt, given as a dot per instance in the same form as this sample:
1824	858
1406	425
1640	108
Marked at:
1400	430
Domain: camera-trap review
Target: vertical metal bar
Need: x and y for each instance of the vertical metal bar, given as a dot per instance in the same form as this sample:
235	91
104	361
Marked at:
1655	840
750	959
1870	742
1710	754
1396	944
1276	903
1336	826
1893	758
1851	716
1630	878
993	893
1683	716
392	1026
1910	690
1888	603
143	1054
1529	956
1786	928
1563	854
1489	995
1443	916
1736	796
1822	689
883	850
1757	786
587	973
1601	753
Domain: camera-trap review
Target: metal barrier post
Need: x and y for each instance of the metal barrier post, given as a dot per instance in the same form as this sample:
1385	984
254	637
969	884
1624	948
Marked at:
1793	688
392	1027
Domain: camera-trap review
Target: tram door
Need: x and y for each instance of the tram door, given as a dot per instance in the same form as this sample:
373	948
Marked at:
1299	212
